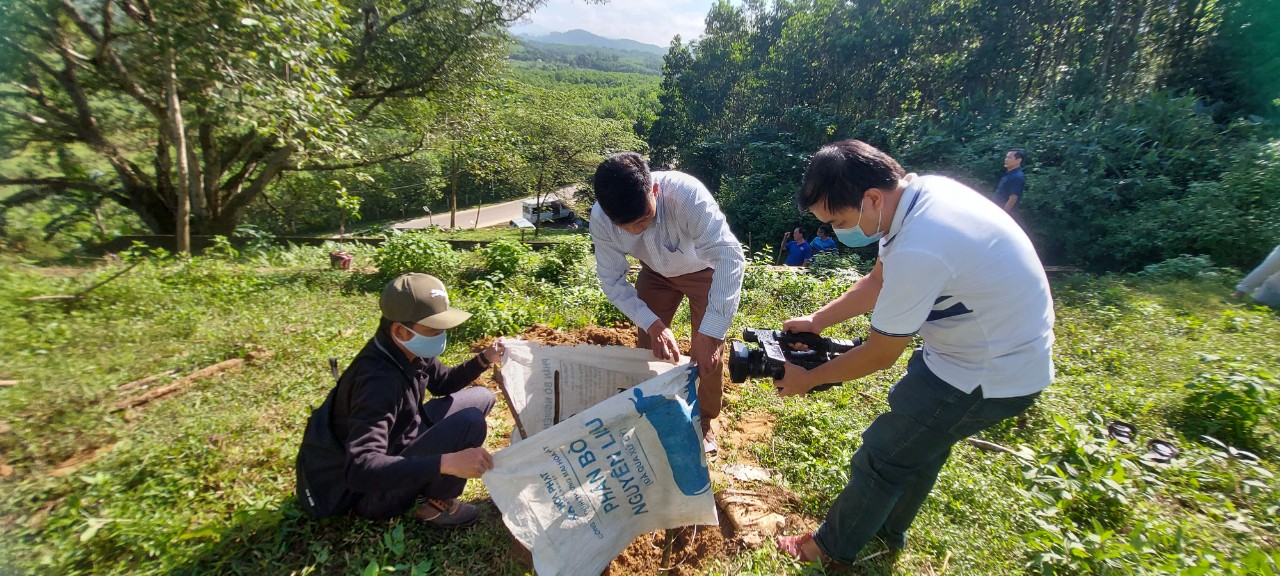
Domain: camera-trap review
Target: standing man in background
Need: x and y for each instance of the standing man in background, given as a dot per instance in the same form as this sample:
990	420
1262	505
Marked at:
798	251
670	223
1013	183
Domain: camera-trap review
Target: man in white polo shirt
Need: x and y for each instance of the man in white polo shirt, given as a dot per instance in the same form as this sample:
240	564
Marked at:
960	273
670	223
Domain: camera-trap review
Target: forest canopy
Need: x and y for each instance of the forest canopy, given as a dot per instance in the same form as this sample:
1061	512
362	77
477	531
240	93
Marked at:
1149	125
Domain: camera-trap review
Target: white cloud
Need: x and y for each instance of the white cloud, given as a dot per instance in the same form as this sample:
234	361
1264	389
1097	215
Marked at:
649	21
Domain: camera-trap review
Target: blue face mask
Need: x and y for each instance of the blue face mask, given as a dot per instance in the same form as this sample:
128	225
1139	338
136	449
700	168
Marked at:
426	346
855	237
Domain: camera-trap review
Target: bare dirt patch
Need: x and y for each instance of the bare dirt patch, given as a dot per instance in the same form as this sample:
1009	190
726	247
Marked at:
751	512
692	547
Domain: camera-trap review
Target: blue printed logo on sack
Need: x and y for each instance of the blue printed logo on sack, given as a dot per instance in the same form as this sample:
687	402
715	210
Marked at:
674	424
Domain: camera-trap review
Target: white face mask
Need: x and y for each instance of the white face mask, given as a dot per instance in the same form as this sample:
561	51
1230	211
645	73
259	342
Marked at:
855	237
425	346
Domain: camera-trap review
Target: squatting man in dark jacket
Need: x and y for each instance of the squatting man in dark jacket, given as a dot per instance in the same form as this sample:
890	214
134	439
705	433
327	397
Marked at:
960	273
378	445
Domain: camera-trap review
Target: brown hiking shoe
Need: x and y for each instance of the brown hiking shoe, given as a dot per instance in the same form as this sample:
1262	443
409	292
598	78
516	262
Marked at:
446	513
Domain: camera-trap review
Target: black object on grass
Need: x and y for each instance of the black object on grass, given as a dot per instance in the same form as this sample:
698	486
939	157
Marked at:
1123	432
1161	451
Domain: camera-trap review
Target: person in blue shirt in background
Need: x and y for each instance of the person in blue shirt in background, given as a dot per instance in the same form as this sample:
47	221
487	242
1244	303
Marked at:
824	242
1013	183
798	250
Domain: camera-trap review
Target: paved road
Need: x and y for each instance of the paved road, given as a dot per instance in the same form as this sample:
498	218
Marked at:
493	215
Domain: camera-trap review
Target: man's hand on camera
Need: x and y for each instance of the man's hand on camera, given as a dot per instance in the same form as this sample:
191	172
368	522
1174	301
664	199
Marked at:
802	324
795	381
469	463
706	350
663	342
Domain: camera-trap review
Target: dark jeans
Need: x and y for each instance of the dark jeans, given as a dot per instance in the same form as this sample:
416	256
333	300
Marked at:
901	454
456	422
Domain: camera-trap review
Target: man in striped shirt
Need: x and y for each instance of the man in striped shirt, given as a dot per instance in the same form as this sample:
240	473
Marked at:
670	223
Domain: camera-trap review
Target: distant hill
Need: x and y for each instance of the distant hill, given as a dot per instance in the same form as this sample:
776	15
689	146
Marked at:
584	38
589	57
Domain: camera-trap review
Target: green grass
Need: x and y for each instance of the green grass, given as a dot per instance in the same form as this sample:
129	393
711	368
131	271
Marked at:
203	482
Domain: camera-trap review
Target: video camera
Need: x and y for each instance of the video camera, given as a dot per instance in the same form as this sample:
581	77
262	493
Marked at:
777	348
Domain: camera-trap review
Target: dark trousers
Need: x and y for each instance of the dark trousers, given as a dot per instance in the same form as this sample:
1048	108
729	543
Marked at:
901	454
455	422
663	296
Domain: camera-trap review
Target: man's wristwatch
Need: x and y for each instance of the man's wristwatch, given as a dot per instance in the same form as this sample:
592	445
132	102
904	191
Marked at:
484	362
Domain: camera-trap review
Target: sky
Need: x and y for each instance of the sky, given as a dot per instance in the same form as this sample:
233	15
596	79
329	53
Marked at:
649	21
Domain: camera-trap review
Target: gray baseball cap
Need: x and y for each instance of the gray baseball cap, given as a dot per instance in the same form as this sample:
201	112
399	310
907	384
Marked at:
420	298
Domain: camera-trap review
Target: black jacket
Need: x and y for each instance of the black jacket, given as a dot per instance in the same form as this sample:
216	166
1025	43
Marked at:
353	441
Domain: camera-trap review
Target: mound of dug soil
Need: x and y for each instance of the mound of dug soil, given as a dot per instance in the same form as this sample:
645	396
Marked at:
617	335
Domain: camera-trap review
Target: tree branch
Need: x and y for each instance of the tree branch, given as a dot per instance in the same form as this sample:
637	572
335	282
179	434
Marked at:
243	145
361	163
379	96
26	116
123	76
50	183
271	168
32	57
24	197
143	14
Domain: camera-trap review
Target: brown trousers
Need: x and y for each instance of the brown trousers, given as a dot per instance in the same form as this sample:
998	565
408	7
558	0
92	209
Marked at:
663	296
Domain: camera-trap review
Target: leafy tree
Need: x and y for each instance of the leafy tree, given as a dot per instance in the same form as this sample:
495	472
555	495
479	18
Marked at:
471	141
560	142
1094	89
203	104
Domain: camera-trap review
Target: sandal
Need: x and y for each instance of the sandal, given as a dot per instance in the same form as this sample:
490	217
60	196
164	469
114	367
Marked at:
709	445
793	546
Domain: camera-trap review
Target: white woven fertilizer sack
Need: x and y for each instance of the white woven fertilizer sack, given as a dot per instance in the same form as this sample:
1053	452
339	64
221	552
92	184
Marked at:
549	384
577	493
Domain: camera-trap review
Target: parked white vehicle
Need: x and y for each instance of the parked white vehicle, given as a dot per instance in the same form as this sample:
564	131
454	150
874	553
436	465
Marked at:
547	211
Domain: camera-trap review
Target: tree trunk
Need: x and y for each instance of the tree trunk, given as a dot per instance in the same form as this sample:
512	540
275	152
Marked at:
537	207
97	216
177	135
453	186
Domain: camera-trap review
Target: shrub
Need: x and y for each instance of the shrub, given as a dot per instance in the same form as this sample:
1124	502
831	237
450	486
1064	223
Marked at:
848	264
495	310
1184	267
254	240
1086	480
505	257
1083	489
566	263
416	252
1228	403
